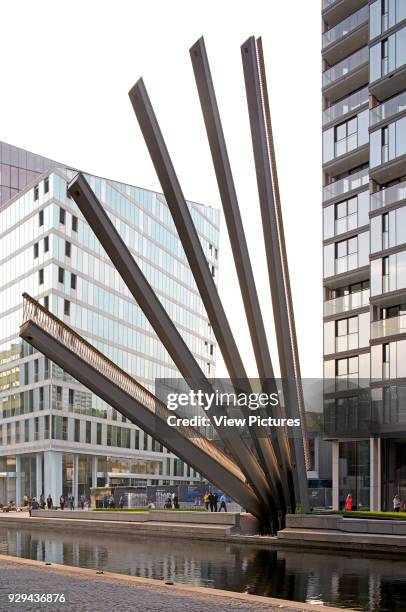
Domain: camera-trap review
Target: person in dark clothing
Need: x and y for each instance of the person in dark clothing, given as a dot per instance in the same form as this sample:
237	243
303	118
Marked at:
121	502
215	501
50	503
71	501
41	502
176	502
211	502
62	502
33	506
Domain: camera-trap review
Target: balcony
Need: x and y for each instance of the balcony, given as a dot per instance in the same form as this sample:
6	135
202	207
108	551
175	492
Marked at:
345	185
343	107
347	36
346	303
349	74
388	196
388	327
334	11
388	109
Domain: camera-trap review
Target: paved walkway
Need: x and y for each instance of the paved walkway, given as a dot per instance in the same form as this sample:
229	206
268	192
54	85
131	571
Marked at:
88	592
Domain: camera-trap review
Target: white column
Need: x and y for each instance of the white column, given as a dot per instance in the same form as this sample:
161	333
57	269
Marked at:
75	478
38	474
53	475
19	493
375	474
335	473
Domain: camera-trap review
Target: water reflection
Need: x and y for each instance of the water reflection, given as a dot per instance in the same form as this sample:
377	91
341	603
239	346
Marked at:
374	584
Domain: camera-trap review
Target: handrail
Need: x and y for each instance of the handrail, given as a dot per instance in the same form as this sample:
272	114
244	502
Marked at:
35	312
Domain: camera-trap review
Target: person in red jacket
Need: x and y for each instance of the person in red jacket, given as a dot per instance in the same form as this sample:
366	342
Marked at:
348	502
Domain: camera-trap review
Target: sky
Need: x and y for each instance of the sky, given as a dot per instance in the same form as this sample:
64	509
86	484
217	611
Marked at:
67	68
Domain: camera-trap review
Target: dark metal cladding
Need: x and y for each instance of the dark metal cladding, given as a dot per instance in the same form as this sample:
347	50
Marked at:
110	239
271	231
241	256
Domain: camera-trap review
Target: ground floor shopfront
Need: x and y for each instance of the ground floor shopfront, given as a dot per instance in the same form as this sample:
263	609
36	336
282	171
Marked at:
372	470
56	473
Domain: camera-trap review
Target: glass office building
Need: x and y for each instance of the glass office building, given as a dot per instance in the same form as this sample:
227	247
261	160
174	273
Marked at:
364	243
55	436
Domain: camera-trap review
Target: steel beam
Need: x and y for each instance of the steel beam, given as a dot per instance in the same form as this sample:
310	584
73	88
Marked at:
141	290
198	264
232	214
144	409
272	230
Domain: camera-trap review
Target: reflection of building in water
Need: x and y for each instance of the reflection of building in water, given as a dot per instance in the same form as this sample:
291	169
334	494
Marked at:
55	436
371	584
364	248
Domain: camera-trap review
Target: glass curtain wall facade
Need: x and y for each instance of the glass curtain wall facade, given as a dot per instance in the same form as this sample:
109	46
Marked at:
55	436
364	247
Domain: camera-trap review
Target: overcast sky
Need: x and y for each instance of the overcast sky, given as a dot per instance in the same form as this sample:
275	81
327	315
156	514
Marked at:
66	71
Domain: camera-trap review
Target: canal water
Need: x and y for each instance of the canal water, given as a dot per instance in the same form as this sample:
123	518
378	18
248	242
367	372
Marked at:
372	584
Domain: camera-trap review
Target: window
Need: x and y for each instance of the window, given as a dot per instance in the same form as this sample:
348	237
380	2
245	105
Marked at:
41	398
62	216
99	433
386	360
66	307
46	185
385	144
41	276
88	432
46	244
385	274
46	368
59	398
346	369
74	223
41	218
71	397
61	275
46	302
77	430
36	250
345	136
26	430
347	334
67	248
36	370
137	439
36	193
346	252
73	281
385	231
385	56
346	215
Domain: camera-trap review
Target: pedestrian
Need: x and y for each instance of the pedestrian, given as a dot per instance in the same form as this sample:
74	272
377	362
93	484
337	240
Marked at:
211	502
42	501
71	501
105	501
50	503
397	504
348	502
62	502
176	502
121	502
33	505
223	503
111	502
206	500
25	500
82	502
168	503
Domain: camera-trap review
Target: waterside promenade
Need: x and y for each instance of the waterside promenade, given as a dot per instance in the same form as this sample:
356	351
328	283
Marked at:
87	590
